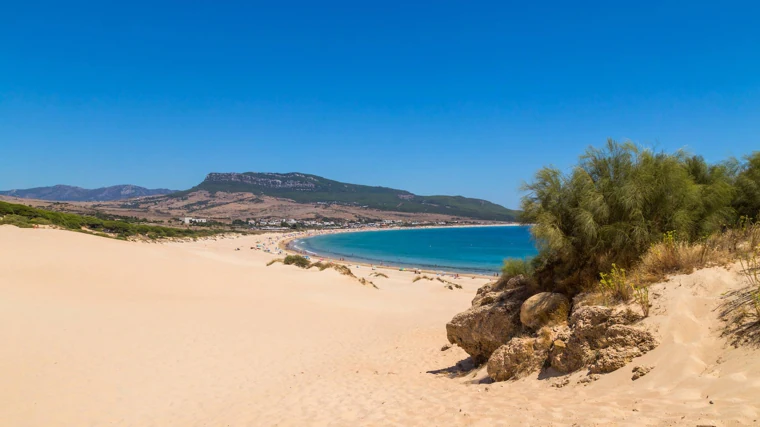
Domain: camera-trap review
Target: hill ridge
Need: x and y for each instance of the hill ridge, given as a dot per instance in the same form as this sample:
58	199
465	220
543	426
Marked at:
70	193
307	188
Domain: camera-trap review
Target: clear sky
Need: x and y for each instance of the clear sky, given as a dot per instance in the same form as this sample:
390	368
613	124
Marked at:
434	97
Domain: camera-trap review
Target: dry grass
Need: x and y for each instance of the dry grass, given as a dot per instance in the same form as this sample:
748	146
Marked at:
750	269
421	277
671	256
366	282
274	261
377	274
342	269
322	266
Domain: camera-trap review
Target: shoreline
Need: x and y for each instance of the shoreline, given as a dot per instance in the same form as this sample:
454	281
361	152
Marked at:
286	245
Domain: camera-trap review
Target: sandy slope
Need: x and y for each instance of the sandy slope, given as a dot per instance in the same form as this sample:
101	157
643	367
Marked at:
103	332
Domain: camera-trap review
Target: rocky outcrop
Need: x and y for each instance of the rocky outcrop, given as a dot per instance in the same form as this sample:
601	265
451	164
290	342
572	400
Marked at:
493	319
539	309
519	357
601	339
523	355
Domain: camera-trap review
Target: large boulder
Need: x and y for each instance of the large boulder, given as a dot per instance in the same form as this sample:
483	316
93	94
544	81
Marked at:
539	309
492	321
602	339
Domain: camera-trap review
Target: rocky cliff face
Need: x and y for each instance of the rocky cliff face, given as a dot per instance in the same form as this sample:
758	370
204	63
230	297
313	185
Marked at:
293	181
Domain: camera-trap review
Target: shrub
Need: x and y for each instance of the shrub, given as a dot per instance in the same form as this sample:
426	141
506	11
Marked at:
615	284
516	266
614	205
747	184
297	260
40	221
17	220
641	296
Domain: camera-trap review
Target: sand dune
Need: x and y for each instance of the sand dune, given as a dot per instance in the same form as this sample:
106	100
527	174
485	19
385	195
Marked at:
104	332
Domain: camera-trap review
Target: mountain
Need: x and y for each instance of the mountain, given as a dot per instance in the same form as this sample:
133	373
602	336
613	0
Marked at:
67	193
305	188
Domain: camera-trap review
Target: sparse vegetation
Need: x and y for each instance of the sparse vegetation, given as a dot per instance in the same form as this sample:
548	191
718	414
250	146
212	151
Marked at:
366	282
378	274
641	296
302	262
297	260
27	217
321	265
750	268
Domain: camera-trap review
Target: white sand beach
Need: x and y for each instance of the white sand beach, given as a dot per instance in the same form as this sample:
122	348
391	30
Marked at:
102	332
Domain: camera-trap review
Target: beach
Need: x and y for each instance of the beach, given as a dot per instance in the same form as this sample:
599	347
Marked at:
108	332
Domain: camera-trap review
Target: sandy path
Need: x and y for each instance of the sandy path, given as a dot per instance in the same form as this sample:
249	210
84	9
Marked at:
103	332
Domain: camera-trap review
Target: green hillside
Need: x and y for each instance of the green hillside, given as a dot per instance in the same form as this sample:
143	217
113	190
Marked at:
304	188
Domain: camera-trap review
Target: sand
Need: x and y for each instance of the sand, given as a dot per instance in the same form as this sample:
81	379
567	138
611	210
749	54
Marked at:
101	332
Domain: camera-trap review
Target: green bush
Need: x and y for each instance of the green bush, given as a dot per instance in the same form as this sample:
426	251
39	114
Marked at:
747	184
296	260
516	266
614	205
17	220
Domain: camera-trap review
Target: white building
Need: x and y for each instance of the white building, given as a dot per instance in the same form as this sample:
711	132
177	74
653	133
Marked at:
187	220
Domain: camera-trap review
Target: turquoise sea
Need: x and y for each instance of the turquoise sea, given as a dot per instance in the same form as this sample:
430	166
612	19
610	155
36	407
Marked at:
463	249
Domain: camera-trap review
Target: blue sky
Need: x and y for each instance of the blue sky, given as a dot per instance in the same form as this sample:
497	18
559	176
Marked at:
437	97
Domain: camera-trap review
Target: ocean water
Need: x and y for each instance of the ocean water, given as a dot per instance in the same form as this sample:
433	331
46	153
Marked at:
463	249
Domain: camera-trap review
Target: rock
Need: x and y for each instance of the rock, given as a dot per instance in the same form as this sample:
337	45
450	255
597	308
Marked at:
522	356
489	292
640	371
518	358
601	339
588	379
445	347
537	310
492	321
621	344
